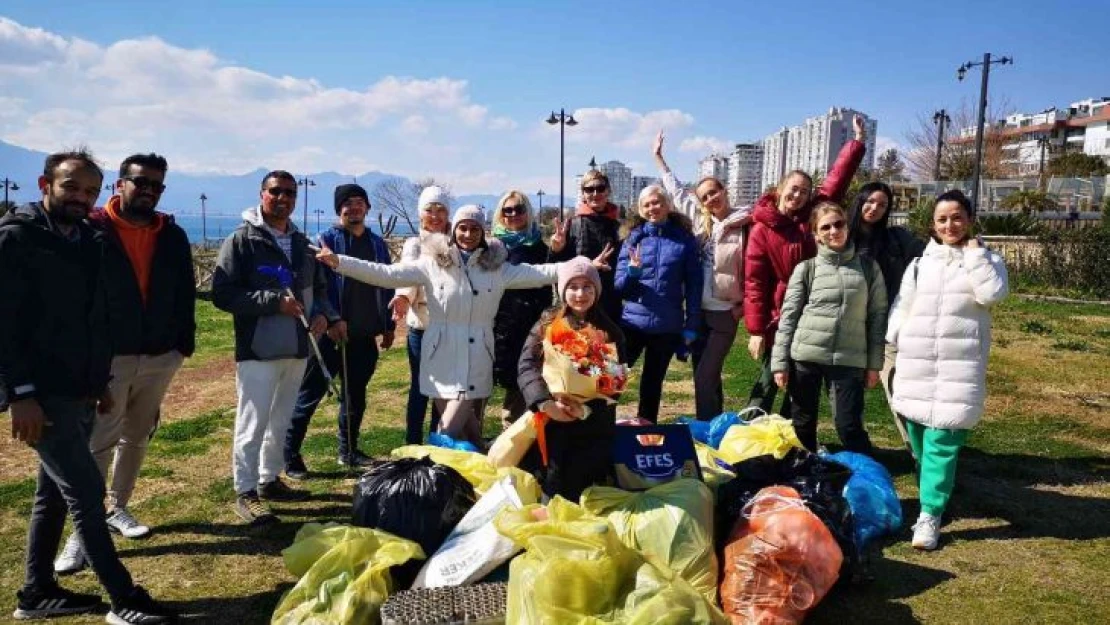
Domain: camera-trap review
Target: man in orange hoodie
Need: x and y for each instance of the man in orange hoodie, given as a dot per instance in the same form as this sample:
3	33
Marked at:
151	300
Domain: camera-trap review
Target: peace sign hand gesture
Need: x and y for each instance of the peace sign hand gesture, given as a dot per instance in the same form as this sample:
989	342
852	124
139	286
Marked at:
634	258
601	262
559	237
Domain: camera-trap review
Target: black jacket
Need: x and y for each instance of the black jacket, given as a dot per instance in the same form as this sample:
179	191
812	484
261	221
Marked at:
588	236
893	248
167	321
519	310
243	286
54	331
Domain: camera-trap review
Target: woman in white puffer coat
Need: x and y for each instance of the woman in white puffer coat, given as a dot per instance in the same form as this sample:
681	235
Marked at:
941	325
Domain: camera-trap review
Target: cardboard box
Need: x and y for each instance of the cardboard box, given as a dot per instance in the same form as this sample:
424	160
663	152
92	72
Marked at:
645	456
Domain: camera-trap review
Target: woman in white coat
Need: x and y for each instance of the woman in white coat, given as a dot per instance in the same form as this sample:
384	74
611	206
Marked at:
941	326
463	278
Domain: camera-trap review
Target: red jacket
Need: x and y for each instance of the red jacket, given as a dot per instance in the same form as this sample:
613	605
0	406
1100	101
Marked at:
777	244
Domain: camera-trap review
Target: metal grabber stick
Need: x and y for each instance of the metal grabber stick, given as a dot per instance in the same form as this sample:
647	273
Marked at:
316	349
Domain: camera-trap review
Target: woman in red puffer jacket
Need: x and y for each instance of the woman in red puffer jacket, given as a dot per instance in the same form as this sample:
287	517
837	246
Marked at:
780	239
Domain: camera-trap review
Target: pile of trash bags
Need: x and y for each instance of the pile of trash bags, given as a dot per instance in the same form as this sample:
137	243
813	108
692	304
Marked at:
763	537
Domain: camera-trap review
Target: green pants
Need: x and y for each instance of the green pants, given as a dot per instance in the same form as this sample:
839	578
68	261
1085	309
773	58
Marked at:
937	450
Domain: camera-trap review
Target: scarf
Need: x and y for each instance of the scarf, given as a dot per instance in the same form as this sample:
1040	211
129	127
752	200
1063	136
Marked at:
611	211
514	238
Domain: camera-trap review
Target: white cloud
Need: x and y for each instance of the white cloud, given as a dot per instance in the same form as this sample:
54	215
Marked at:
624	127
703	146
502	123
415	125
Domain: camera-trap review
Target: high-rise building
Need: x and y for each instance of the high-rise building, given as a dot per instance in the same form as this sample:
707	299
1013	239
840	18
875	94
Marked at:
620	182
813	145
639	183
715	165
745	173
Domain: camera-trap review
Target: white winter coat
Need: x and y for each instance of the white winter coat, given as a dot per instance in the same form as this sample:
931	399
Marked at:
456	358
941	325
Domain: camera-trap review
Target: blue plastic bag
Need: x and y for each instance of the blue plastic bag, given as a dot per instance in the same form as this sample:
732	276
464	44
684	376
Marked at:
870	492
442	440
712	432
698	429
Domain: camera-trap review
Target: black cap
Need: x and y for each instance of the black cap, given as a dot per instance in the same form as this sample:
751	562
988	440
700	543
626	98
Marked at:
345	192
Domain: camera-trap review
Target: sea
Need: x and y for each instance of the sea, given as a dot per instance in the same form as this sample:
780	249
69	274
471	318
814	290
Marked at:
213	229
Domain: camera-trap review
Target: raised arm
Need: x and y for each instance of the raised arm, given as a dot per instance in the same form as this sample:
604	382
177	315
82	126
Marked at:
525	276
847	162
684	201
377	274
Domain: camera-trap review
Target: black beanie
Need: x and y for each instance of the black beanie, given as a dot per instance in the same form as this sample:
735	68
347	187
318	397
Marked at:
345	192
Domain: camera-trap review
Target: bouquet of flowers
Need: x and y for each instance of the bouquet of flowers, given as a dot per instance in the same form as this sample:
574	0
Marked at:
579	363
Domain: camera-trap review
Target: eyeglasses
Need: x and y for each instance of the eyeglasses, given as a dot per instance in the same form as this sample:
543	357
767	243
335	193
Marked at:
599	189
838	225
280	191
512	211
143	182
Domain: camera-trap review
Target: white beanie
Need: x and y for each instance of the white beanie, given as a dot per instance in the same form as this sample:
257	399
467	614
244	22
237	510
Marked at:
469	212
433	195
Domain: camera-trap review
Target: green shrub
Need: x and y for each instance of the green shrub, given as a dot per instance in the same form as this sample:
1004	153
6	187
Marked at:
1019	224
1035	327
1076	259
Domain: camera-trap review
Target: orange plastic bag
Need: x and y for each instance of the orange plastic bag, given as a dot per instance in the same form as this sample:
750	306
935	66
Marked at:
780	560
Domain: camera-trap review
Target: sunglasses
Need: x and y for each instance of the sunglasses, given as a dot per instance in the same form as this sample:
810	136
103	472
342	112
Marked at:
600	189
280	191
838	224
512	211
143	182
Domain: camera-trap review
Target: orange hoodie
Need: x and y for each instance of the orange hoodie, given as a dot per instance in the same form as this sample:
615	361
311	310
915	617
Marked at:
138	242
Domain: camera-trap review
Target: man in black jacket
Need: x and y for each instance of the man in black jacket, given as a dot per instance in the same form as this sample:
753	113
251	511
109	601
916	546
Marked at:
55	355
151	298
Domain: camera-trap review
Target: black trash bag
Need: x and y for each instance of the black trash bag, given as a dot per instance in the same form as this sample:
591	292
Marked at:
413	498
820	483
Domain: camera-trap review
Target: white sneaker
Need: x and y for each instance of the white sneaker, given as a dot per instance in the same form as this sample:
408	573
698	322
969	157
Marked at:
72	559
121	522
926	532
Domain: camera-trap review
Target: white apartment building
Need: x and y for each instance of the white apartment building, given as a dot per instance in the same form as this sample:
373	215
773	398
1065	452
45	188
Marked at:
813	145
715	165
639	183
745	174
620	183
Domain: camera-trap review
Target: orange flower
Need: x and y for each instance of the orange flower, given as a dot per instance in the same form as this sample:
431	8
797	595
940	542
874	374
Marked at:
606	385
560	331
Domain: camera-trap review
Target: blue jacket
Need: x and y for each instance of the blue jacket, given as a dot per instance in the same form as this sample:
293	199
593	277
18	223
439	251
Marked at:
335	239
670	275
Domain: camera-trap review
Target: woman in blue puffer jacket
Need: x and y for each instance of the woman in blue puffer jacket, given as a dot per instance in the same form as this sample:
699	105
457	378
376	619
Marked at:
659	277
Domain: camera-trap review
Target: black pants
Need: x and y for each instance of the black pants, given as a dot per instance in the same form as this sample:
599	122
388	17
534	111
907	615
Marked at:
658	349
362	360
807	380
764	390
580	453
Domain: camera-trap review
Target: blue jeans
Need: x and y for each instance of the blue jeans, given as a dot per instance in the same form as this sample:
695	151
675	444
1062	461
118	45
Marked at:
362	360
418	403
69	480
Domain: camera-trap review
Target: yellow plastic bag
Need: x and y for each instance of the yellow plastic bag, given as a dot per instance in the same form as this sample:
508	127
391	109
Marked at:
771	434
711	471
672	523
511	445
477	469
576	570
344	574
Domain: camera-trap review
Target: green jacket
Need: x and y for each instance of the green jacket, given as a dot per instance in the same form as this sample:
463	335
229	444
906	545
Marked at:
834	313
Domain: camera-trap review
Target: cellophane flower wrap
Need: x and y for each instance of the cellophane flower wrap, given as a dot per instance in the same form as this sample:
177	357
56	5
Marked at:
580	363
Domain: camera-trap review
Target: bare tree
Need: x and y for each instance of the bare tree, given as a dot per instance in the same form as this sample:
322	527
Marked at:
397	197
889	165
957	160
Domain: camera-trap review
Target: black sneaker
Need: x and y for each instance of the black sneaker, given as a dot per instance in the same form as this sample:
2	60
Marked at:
296	469
278	490
54	602
139	609
252	510
357	460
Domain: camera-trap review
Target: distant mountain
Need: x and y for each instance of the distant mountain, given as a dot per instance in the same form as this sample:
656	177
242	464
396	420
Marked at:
227	194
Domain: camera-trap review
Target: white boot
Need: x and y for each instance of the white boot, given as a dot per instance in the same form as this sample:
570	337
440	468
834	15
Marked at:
926	532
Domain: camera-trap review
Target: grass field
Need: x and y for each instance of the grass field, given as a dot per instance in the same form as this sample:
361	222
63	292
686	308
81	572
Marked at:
1027	538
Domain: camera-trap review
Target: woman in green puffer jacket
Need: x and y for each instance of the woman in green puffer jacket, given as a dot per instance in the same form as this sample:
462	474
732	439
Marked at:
831	332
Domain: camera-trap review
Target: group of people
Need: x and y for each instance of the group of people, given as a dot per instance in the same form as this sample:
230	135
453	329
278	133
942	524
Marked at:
831	297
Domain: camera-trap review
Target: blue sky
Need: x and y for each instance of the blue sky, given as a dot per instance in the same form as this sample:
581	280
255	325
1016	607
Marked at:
457	90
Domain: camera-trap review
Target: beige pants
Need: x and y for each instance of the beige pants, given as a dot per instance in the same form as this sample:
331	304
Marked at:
138	385
461	419
887	375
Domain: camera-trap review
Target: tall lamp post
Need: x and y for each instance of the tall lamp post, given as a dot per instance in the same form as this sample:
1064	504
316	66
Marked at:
9	184
203	220
961	72
1044	142
540	195
563	120
940	118
306	183
318	213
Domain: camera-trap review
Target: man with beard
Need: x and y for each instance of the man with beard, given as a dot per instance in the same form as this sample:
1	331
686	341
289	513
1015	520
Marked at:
267	277
55	358
364	315
151	298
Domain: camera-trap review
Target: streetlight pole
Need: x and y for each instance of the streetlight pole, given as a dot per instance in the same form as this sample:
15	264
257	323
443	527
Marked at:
563	120
306	183
9	184
960	73
1043	140
318	213
940	118
540	195
203	221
